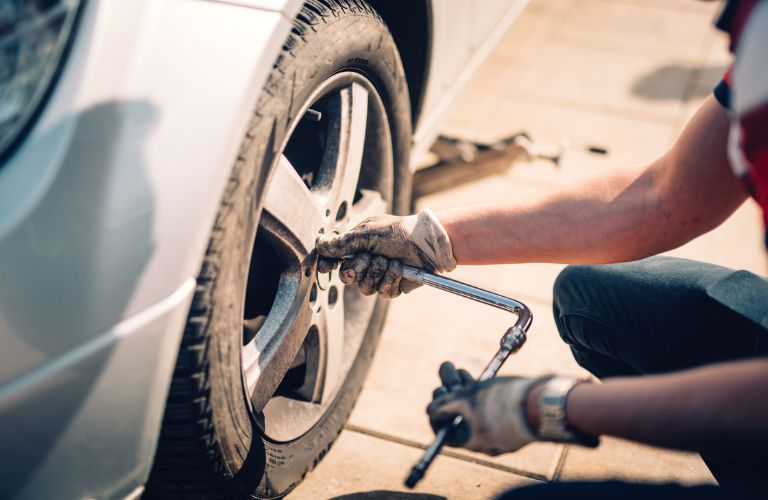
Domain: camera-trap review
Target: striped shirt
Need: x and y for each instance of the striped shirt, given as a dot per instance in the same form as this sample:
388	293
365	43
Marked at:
744	91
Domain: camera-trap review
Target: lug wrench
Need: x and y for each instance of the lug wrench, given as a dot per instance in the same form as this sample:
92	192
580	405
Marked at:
511	342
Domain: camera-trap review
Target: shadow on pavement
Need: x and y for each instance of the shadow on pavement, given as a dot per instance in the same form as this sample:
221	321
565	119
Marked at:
388	495
660	83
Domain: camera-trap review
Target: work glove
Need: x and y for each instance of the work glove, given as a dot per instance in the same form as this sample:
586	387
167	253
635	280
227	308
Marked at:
380	245
493	411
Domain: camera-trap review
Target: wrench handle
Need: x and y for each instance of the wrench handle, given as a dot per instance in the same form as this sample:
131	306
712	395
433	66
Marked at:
512	341
463	289
430	452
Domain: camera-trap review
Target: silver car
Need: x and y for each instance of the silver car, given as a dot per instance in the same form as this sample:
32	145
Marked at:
166	168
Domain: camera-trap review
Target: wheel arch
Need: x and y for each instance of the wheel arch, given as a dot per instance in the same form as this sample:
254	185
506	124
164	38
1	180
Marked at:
413	37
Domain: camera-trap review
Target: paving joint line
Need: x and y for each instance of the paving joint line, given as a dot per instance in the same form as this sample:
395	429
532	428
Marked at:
477	461
560	464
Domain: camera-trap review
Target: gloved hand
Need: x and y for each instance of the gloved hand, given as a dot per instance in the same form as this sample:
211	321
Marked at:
493	410
380	245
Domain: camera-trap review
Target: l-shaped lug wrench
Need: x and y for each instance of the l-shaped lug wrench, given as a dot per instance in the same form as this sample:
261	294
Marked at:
511	342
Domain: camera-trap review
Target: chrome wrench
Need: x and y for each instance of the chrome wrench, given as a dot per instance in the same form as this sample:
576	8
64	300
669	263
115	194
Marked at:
511	342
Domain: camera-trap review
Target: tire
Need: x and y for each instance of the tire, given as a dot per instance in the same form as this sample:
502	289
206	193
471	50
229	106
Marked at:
214	441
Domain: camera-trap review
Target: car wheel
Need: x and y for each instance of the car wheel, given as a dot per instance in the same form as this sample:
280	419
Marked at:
274	354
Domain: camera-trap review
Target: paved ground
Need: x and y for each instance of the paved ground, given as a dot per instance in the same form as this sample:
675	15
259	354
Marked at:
623	75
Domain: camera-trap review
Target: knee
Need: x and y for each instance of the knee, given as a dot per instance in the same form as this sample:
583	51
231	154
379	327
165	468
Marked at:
573	293
573	286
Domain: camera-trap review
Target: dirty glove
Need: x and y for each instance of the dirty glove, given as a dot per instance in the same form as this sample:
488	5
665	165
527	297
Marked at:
493	410
380	246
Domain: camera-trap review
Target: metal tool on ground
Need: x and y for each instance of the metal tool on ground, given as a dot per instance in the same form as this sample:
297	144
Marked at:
451	150
455	160
511	342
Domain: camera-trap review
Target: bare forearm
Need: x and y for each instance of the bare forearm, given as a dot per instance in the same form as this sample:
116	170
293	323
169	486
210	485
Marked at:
627	215
721	406
595	221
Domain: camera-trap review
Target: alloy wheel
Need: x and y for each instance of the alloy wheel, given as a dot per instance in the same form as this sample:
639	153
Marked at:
302	330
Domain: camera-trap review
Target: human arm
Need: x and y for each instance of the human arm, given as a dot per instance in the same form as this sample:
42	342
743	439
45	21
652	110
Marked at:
720	406
626	215
715	407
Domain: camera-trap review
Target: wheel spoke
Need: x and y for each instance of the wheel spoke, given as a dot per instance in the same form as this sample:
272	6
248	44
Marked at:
332	335
370	203
269	355
353	120
291	212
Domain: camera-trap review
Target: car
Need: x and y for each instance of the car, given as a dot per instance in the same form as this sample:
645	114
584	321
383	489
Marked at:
166	169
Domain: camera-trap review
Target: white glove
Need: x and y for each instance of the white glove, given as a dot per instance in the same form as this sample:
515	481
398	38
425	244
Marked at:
494	415
380	244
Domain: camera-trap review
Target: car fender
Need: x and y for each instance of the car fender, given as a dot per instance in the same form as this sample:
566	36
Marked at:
105	213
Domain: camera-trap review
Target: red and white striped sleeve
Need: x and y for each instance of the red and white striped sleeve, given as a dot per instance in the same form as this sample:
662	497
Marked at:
748	141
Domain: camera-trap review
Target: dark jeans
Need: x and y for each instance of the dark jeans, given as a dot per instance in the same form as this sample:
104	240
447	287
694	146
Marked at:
614	490
664	314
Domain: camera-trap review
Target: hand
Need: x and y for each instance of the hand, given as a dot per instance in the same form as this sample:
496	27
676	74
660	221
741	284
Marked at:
380	246
493	411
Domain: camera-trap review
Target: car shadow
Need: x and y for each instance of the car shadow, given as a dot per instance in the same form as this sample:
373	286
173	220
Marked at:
59	293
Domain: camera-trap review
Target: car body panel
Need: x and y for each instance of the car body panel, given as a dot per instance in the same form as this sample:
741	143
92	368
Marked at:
105	214
447	79
81	263
88	244
86	425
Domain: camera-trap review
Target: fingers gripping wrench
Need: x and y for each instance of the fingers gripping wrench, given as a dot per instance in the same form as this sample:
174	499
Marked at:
511	342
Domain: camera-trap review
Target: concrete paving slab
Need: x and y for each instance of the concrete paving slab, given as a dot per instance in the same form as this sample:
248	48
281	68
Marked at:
637	84
535	27
362	467
477	97
637	27
624	460
629	142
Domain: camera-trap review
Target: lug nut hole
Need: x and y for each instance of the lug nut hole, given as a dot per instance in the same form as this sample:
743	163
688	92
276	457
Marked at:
333	296
342	212
313	294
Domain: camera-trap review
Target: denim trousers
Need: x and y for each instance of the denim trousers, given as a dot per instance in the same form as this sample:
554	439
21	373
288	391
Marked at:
659	315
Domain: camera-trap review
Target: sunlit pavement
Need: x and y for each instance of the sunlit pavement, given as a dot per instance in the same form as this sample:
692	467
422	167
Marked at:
620	75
